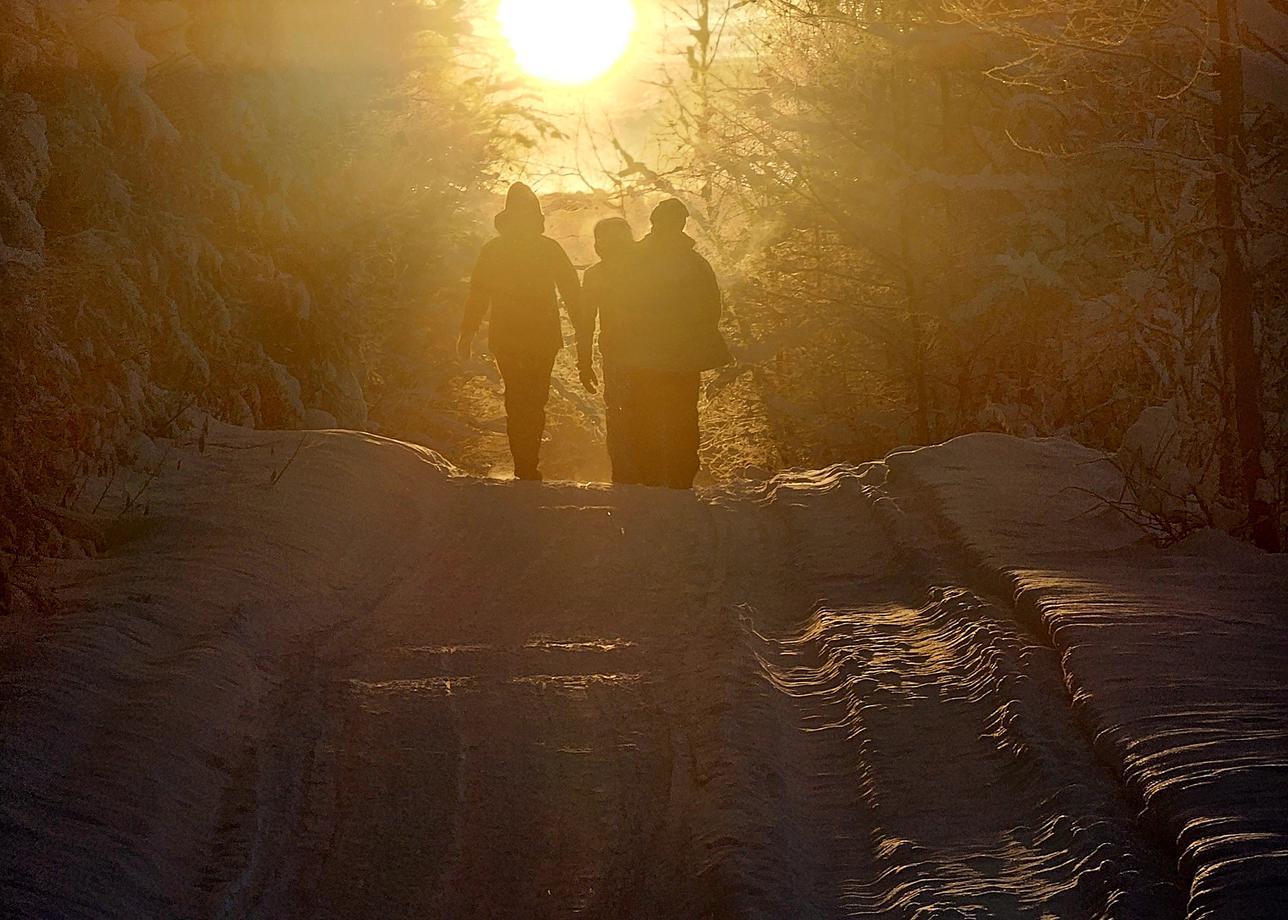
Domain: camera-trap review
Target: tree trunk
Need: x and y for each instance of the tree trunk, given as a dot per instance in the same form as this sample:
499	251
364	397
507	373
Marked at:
922	414
1237	308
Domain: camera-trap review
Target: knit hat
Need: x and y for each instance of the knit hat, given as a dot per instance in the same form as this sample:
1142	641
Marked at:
670	215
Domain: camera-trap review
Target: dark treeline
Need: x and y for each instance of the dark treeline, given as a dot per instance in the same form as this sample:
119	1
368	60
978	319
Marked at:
1041	218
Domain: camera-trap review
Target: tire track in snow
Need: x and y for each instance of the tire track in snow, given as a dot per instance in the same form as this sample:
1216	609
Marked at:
946	774
583	702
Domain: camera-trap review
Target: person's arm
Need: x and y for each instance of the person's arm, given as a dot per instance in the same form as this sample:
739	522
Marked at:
587	317
477	303
570	290
567	282
710	301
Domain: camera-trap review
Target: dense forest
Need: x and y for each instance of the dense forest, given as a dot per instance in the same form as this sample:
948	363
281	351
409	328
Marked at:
1042	218
227	206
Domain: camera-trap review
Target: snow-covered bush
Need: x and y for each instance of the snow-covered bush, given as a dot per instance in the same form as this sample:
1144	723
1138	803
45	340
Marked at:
1172	464
222	204
1019	220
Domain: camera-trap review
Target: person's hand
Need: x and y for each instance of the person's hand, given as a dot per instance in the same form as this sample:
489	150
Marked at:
588	378
465	346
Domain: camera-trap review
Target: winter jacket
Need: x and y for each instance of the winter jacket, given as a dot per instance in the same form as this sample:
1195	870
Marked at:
608	292
517	275
675	305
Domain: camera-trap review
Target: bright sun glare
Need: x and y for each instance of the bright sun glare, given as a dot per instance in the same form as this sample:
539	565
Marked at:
567	41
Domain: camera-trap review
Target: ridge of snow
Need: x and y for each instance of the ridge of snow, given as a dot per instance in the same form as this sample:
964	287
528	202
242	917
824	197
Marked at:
1177	660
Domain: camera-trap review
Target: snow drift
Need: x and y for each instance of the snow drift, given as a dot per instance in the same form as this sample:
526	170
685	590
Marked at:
328	675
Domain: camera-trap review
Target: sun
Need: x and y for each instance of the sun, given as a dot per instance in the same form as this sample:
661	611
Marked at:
567	41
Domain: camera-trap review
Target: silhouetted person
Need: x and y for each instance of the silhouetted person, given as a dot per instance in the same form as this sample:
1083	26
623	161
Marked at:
677	337
608	290
517	276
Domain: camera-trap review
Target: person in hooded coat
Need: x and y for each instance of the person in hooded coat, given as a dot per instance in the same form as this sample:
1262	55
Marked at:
607	297
675	335
517	277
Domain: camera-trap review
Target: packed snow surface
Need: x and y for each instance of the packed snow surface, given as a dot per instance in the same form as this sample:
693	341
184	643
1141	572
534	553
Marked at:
329	676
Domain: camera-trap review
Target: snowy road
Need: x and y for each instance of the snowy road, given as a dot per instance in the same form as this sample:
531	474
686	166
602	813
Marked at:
377	689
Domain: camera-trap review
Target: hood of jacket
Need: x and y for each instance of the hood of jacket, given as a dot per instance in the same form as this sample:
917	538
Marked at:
522	214
512	222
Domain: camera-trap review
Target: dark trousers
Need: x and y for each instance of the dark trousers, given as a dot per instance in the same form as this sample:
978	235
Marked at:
619	416
527	388
652	426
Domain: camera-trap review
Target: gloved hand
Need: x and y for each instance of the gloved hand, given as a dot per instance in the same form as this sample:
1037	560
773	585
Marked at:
588	378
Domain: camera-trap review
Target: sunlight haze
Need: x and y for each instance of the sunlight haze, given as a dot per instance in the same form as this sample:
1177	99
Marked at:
643	459
567	41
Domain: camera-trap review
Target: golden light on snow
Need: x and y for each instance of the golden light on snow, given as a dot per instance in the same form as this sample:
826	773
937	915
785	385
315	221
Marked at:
567	41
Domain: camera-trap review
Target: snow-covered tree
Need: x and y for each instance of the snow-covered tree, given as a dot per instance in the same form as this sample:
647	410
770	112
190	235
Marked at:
233	205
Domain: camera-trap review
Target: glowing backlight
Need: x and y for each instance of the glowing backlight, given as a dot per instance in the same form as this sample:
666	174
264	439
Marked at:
567	41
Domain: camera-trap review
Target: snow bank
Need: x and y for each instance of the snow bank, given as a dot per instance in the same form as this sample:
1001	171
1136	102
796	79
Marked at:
1177	659
167	750
162	678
